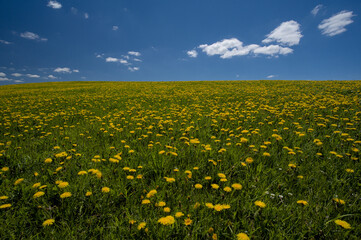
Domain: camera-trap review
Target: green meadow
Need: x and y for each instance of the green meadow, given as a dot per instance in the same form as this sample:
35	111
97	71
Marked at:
181	160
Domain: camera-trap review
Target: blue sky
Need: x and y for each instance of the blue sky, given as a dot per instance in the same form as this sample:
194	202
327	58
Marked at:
153	40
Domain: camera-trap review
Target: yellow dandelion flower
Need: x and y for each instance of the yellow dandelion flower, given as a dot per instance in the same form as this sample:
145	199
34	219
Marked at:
151	193
65	195
209	205
292	165
3	197
343	224
223	180
266	154
48	160
63	184
105	189
141	225
249	160
208	178
82	173
145	201
5	169
38	194
227	189
170	180
237	186
242	236
198	186
161	204
349	170
187	221
218	207
340	201
18	181
169	220
5	206
166	209
179	214
36	185
48	222
302	202
215	186
88	194
130	177
260	204
221	175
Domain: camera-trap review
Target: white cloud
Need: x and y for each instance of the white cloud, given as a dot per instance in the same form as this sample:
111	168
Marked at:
115	28
227	48
192	53
18	81
16	74
32	36
111	59
287	33
2	74
122	61
32	75
52	76
54	4
271	76
273	50
137	54
316	9
86	15
137	60
63	70
76	70
133	69
336	24
5	42
4	79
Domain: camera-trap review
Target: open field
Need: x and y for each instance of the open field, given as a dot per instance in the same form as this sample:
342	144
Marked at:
181	160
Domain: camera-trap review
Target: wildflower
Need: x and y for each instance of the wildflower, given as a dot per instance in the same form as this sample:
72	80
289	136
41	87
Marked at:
302	202
3	197
151	193
227	189
196	205
63	184
145	201
82	173
215	186
130	177
237	186
242	236
340	201
139	176
260	204
209	205
349	170
249	160
141	225
132	221
169	220
5	169
198	186
218	207
38	194
214	236
208	178
221	175
88	194
105	189
166	209
179	214
292	165
187	221
343	224
48	222
170	180
161	204
18	181
36	185
223	180
266	154
65	195
5	206
48	160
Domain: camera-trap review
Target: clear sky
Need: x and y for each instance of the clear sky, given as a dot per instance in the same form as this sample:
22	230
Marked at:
170	40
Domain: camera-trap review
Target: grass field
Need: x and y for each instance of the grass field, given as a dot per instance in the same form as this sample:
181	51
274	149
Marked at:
181	160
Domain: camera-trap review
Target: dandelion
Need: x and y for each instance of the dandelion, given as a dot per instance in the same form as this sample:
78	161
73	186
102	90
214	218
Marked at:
18	181
266	154
87	194
169	220
82	173
215	186
179	214
65	195
340	201
5	169
38	194
249	160
207	178
48	160
161	204
130	177
237	186
63	184
198	186
36	185
5	206
187	221
242	236
166	209
145	201
221	175
3	197
302	202
209	205
170	180
227	189
105	189
48	222
151	193
260	204
349	170
343	224
141	225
